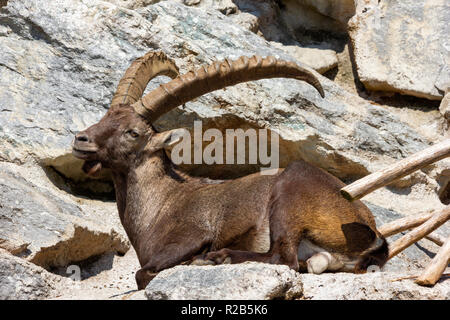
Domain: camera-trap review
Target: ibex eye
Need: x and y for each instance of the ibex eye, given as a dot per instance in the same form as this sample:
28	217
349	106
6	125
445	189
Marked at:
133	133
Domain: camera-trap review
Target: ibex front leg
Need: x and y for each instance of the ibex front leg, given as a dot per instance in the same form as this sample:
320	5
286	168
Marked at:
169	253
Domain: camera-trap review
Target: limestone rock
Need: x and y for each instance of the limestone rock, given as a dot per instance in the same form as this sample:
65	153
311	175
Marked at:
340	11
191	2
370	286
247	21
324	15
259	281
108	277
399	46
247	281
23	280
444	107
134	4
14	246
226	7
320	60
337	10
50	229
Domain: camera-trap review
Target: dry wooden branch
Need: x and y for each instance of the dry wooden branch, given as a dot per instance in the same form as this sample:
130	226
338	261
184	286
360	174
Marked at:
404	224
408	223
416	276
437	266
378	179
415	235
437	239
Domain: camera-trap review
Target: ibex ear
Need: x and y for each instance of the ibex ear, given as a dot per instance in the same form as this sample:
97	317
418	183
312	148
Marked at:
167	139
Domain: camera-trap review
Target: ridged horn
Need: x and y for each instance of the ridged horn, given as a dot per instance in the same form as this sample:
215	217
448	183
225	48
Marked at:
216	76
132	85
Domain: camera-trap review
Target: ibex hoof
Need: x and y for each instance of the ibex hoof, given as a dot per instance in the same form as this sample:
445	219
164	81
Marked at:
227	260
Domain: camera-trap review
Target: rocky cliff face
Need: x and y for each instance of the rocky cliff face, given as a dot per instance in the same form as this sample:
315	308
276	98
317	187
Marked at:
60	63
398	49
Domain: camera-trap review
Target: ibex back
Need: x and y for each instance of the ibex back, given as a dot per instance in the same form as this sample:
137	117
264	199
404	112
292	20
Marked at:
294	217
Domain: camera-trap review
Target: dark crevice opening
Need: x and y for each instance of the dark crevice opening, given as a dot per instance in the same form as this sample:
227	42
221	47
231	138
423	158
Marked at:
444	194
101	189
90	267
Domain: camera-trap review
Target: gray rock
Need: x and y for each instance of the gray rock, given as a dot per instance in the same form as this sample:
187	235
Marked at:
14	246
226	7
50	229
320	60
260	281
399	46
247	21
323	15
444	107
134	4
340	11
23	280
264	19
247	281
370	286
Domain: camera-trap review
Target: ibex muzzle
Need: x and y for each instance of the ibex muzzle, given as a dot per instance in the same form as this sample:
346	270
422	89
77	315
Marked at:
171	217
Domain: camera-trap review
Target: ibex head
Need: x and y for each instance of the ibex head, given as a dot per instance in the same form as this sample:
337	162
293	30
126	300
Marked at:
118	139
126	131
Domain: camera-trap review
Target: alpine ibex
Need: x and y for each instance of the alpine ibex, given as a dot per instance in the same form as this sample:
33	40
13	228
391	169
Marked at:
172	218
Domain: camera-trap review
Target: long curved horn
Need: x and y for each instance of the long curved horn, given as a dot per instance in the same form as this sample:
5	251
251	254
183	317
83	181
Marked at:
132	85
216	76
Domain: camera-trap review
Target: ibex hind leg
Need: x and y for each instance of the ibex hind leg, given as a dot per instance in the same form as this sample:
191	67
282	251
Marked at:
285	237
227	256
250	247
283	250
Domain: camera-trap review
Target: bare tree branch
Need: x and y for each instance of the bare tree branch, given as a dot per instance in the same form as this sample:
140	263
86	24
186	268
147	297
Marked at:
418	233
404	224
437	266
378	179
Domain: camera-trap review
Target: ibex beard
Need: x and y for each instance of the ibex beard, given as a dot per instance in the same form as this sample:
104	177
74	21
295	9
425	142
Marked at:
295	217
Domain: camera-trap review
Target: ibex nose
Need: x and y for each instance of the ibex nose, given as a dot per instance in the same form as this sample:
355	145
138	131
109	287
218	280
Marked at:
81	137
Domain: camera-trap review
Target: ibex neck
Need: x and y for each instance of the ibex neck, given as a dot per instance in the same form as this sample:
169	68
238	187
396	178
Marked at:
142	192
